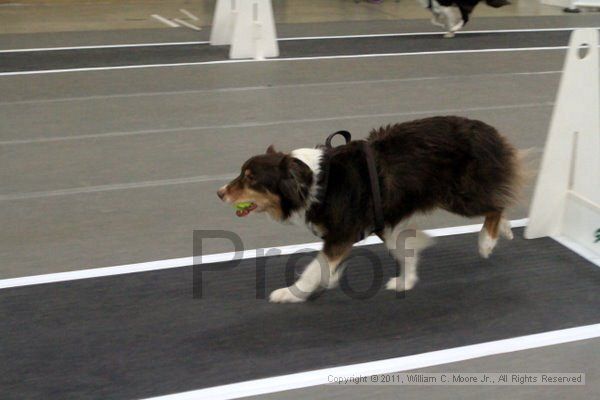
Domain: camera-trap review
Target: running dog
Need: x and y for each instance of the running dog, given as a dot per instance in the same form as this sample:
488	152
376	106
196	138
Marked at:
460	165
452	15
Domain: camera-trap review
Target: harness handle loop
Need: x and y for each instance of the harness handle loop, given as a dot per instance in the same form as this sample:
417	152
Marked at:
345	134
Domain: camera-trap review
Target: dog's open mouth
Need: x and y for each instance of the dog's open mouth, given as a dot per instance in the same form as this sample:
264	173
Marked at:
244	208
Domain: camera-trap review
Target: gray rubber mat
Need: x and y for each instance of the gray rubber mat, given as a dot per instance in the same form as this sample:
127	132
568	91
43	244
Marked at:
108	57
141	335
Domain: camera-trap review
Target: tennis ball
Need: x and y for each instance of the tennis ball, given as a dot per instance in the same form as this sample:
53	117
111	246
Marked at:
243	205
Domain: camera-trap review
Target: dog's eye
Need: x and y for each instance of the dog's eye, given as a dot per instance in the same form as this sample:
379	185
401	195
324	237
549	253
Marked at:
248	175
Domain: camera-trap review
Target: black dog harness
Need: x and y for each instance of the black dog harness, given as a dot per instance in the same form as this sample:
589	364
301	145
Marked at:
373	177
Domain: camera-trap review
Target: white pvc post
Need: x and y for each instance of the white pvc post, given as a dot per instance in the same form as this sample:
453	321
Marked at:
223	22
254	34
566	200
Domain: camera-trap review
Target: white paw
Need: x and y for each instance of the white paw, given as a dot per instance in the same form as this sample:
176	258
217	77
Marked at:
505	230
334	280
449	35
456	27
486	244
285	295
400	284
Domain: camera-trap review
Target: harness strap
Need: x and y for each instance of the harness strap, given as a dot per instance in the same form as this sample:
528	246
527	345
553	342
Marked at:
373	177
375	189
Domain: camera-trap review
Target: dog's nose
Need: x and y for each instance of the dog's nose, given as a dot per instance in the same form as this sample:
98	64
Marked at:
221	193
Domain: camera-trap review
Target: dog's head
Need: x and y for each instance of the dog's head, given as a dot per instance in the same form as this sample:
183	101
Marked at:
274	182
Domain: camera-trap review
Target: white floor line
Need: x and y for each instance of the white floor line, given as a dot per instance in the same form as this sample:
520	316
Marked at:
165	20
408	363
579	249
422	53
103	46
429	33
213	258
283	59
465	32
187	24
270	123
276	87
117	186
188	14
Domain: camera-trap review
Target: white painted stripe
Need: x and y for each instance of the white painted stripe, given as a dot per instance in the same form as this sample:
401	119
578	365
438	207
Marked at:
214	258
187	24
103	46
578	248
165	20
290	39
267	123
96	272
276	87
466	32
116	186
342	57
399	364
188	14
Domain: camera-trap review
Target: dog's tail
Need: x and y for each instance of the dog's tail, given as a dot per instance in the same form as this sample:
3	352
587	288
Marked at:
522	173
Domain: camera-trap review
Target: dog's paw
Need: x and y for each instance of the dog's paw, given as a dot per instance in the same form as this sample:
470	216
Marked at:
334	280
457	26
285	295
505	230
395	284
400	284
486	244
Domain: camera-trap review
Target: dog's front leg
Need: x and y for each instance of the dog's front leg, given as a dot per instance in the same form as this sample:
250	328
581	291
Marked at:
404	245
322	272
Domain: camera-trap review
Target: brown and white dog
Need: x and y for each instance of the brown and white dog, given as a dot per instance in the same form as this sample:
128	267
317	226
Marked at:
456	164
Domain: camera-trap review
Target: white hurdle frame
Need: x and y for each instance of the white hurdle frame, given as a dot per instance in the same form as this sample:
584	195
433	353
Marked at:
248	26
566	202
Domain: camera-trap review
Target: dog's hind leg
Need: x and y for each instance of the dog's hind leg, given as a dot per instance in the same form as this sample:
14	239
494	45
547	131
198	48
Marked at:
504	229
405	245
322	272
495	224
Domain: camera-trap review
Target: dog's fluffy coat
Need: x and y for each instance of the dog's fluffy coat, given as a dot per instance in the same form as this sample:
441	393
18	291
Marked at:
457	164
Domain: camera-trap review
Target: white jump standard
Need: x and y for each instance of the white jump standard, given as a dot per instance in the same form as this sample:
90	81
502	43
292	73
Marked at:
566	202
248	26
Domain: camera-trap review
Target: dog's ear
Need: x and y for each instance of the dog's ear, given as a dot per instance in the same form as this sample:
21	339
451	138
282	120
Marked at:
285	166
289	167
271	150
288	184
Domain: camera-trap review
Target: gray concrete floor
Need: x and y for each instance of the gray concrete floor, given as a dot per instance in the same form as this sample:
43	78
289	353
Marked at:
573	357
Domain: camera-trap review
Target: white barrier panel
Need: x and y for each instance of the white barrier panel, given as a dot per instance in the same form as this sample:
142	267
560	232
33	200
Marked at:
566	200
254	33
223	20
248	26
